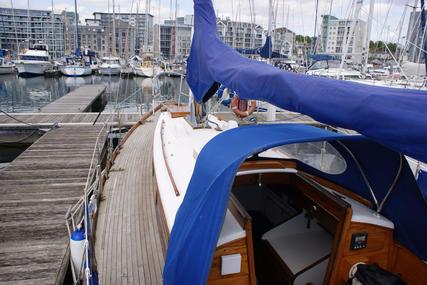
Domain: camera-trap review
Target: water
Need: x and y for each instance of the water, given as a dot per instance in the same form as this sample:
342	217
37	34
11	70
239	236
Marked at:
28	95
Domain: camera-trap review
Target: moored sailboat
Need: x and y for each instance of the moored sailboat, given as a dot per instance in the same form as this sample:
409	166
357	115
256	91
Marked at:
307	204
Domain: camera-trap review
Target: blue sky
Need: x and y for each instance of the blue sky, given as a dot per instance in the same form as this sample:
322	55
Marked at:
297	14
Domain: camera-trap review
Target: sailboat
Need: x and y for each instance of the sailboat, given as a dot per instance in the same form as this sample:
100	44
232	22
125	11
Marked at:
76	66
6	67
111	65
146	67
282	203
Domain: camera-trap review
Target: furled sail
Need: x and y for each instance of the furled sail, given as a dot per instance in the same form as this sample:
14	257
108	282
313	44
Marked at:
394	117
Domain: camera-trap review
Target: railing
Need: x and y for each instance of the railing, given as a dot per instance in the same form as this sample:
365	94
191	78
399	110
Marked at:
158	98
81	214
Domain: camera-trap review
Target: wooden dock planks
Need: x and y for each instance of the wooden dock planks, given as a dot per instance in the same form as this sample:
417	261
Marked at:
79	100
36	190
65	119
128	245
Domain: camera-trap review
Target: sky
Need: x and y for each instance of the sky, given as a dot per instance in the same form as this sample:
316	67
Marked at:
297	15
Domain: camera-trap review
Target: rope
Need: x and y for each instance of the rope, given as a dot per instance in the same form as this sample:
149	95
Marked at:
16	119
20	140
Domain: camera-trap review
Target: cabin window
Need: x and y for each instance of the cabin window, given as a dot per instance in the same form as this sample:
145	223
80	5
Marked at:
319	155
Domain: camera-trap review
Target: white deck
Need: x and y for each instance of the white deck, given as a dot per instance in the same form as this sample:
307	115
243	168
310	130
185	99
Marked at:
181	157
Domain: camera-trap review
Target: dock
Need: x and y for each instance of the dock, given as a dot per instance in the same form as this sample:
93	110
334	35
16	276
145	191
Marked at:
38	187
82	99
128	246
36	190
64	119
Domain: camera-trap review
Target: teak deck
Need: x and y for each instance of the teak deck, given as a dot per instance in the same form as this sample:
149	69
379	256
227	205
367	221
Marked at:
36	190
79	100
128	247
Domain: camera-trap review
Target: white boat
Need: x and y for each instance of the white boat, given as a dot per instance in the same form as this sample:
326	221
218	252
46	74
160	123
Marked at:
35	61
6	68
76	70
270	232
146	67
341	73
110	66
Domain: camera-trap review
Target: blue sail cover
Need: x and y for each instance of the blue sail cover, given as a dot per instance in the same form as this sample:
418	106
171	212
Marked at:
266	51
323	56
422	183
199	220
394	117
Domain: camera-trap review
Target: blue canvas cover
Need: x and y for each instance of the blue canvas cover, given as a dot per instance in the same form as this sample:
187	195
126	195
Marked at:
394	117
323	56
199	219
422	183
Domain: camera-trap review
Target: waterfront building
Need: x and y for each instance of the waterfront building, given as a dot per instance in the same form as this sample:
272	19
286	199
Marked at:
175	38
414	37
240	34
334	33
21	28
140	23
99	38
283	41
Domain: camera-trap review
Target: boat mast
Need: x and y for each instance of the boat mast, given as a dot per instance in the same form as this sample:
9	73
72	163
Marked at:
14	24
368	34
114	30
176	31
28	23
271	109
347	40
53	32
76	34
423	25
315	29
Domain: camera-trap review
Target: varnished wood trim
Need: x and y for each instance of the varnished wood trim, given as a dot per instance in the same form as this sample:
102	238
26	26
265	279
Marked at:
340	189
337	248
166	161
408	266
267	164
238	211
234	247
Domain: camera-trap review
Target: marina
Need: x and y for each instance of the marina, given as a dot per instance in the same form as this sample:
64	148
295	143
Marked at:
178	143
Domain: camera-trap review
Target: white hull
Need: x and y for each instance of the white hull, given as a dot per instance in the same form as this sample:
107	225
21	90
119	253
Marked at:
109	70
32	67
76	71
147	71
7	69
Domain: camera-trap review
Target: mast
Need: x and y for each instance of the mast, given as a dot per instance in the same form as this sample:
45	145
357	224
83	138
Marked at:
347	40
423	25
271	109
114	30
176	30
368	33
53	32
315	29
76	35
14	24
28	23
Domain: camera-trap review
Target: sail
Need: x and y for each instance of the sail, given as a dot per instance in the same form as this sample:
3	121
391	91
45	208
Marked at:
394	117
